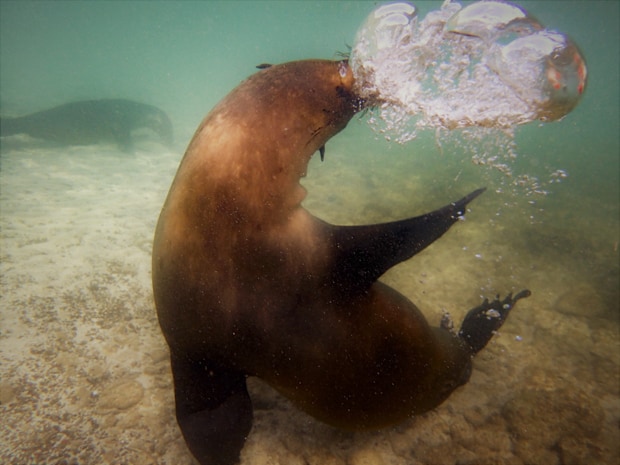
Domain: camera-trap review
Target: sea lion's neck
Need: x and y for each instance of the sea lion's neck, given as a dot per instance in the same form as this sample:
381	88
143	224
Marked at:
261	139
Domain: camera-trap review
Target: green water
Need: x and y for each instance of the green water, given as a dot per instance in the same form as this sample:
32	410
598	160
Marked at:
82	363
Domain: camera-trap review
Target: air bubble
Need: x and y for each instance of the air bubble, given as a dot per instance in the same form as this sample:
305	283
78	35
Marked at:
488	64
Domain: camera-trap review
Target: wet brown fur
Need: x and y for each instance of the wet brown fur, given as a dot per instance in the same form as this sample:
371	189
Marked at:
240	268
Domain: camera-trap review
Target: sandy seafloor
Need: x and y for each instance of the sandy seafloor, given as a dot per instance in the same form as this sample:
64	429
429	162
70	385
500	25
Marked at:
85	372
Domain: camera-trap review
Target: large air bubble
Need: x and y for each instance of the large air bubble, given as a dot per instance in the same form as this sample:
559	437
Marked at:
489	64
472	75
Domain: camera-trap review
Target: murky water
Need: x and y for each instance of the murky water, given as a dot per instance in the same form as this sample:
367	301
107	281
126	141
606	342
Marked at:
84	373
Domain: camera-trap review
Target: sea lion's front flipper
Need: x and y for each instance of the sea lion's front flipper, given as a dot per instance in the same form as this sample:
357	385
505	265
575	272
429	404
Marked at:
363	253
481	322
213	409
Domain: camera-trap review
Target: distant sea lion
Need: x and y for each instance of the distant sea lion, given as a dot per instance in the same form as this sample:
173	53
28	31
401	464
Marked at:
91	122
248	283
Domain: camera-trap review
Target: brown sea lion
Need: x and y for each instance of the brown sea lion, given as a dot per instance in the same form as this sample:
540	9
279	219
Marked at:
91	122
248	283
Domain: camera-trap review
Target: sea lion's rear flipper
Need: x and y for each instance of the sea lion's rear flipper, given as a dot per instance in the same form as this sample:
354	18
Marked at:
213	409
481	322
363	253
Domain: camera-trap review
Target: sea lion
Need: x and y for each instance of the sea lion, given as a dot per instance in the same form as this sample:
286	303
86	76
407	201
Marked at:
91	122
249	283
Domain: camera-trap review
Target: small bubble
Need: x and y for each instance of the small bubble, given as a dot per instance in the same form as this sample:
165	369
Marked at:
492	313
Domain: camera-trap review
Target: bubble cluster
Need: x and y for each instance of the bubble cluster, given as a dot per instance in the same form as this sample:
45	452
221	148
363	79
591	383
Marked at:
483	69
489	64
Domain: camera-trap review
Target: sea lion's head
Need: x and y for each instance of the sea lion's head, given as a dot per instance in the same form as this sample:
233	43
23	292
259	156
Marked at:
159	122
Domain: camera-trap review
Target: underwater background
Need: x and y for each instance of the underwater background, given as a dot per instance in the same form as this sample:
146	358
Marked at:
84	371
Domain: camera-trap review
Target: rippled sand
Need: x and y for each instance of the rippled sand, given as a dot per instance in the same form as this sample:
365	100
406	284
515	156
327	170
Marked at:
84	372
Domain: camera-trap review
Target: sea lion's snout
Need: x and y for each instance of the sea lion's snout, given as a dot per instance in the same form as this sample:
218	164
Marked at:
346	74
